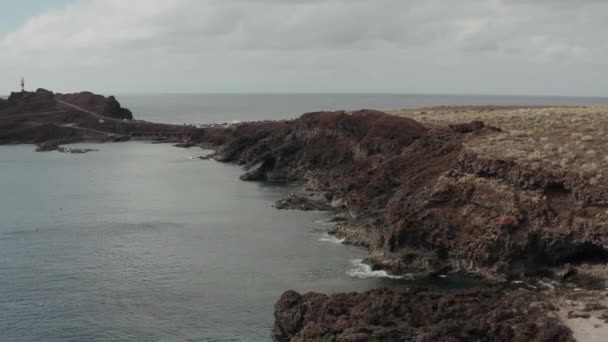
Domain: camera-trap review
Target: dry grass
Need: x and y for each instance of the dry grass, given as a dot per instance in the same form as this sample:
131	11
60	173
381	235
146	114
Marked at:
570	138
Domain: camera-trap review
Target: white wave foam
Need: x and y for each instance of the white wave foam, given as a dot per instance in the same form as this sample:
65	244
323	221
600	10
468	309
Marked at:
191	158
324	223
330	238
361	270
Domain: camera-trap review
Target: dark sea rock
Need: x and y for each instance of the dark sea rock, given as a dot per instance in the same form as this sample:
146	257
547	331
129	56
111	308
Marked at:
303	203
76	150
184	145
47	147
207	157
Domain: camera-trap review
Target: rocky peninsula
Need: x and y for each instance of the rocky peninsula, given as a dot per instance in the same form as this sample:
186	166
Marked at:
50	120
427	201
446	194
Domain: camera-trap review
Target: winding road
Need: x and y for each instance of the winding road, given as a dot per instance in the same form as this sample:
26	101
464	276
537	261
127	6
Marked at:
99	116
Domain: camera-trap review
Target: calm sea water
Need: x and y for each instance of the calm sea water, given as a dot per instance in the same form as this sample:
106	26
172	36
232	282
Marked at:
206	108
139	242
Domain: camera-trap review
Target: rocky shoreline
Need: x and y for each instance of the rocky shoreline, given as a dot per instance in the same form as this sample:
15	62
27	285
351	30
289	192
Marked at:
417	315
50	120
424	203
421	198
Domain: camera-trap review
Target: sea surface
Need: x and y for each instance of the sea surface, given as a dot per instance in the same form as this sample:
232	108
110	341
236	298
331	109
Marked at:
140	242
143	242
220	108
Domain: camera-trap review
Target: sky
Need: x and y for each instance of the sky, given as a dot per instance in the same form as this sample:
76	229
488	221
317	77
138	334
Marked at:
526	47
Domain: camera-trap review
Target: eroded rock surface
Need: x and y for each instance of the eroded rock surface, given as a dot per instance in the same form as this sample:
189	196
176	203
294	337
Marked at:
417	315
424	202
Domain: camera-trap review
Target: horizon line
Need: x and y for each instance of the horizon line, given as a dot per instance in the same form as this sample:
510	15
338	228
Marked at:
330	93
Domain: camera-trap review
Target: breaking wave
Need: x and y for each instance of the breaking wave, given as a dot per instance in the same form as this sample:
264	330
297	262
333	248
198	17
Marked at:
330	238
361	270
324	223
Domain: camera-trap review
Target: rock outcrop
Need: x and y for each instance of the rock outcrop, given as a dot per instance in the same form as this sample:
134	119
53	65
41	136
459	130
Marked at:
325	141
417	315
106	106
26	102
425	203
49	119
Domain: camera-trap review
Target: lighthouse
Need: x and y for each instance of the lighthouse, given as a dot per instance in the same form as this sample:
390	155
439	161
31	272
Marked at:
22	84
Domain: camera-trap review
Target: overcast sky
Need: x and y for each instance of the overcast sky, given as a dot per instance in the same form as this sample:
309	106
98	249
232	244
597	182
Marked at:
550	47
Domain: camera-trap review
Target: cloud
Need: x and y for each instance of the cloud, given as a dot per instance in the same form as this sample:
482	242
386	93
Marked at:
215	37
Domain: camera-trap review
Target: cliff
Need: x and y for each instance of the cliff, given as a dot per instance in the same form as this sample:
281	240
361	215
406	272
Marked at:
425	203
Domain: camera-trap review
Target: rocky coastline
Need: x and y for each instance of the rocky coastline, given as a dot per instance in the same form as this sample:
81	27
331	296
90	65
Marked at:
425	203
421	198
417	315
50	120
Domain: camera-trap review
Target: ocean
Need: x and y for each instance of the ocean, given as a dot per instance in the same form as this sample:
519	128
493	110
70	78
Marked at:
220	108
143	242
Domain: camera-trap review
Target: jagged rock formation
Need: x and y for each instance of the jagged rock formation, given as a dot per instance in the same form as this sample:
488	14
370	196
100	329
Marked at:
423	202
417	315
304	203
324	141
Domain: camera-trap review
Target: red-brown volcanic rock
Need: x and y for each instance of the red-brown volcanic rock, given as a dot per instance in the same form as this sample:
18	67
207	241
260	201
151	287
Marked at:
416	315
106	106
421	201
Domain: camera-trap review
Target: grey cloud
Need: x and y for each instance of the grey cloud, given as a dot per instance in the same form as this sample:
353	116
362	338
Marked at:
360	40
